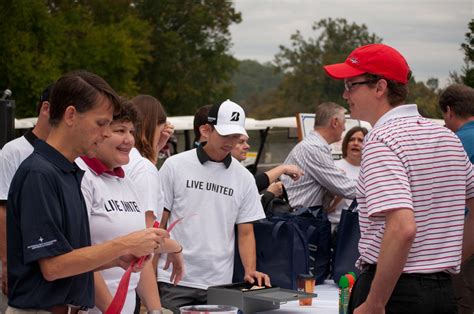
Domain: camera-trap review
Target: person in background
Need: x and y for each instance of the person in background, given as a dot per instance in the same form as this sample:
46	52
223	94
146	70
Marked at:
151	135
114	208
50	256
213	194
313	156
415	180
457	105
350	165
200	119
11	156
266	180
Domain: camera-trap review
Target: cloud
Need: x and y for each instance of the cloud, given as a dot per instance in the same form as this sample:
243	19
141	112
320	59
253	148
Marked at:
427	32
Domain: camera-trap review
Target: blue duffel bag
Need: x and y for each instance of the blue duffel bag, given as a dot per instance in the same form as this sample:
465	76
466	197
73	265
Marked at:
281	249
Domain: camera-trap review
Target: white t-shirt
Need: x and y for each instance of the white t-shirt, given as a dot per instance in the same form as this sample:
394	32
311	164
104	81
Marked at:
352	172
114	210
212	198
144	175
11	156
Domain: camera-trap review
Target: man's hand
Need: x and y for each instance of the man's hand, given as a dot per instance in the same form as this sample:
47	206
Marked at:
4	278
144	242
126	260
165	135
367	308
294	172
276	189
178	266
260	277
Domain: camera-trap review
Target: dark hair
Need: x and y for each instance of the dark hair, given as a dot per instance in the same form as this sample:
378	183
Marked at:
127	113
348	135
397	92
45	96
200	118
325	111
150	115
460	98
80	89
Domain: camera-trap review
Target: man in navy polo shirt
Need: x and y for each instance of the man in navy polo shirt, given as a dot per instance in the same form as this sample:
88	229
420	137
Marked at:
50	260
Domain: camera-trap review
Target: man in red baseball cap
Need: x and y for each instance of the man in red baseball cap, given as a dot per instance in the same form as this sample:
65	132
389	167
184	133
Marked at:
414	182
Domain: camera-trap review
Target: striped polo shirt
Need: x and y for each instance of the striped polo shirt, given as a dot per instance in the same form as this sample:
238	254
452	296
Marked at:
409	162
313	155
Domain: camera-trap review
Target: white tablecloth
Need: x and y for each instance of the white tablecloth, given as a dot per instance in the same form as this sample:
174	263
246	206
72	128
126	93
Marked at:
325	303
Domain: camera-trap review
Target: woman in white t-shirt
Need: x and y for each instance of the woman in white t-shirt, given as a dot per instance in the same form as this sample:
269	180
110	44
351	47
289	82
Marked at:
115	209
350	164
151	135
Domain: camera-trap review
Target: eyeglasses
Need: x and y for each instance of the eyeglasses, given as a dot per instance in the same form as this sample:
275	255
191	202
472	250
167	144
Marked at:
348	85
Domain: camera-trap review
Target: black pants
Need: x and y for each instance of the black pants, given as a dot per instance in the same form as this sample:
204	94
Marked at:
174	297
413	293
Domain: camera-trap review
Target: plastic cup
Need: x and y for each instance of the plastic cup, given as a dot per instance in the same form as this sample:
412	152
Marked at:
205	309
305	283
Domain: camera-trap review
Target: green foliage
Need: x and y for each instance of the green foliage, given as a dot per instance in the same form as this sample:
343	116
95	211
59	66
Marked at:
305	83
468	47
174	50
190	65
252	78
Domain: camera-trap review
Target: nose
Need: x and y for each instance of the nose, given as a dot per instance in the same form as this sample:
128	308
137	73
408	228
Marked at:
345	94
107	132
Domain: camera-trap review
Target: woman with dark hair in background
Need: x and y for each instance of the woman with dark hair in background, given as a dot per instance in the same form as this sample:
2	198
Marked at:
350	164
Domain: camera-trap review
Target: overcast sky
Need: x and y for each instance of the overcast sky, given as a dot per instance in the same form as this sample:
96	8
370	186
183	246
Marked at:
427	32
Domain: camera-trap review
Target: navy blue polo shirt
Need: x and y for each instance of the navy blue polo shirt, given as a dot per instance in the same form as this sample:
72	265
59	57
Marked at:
46	216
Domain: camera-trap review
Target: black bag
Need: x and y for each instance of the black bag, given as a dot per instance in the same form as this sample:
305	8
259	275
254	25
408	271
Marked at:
346	251
317	228
273	205
281	249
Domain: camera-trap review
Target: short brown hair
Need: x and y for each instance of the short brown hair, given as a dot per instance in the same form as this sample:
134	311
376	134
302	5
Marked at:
80	89
150	115
397	92
325	111
127	113
460	98
200	118
348	135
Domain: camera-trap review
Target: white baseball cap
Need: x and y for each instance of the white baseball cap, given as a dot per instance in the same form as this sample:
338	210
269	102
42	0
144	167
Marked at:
227	118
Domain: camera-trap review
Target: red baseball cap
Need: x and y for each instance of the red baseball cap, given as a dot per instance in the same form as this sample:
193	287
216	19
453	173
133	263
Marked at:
376	59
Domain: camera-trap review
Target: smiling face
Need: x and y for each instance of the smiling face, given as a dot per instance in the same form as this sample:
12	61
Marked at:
219	146
241	149
114	151
358	97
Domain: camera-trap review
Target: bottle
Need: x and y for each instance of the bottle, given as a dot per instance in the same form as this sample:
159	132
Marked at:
343	294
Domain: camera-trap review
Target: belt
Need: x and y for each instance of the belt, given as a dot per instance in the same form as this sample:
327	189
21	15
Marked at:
68	309
434	276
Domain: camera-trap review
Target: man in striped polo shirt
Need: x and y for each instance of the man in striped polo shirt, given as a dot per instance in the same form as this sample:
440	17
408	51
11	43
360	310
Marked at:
313	155
415	181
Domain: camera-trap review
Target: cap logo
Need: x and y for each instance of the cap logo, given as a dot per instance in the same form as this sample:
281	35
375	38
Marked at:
235	116
354	60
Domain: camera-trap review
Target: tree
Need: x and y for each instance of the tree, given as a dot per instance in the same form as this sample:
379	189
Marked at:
190	65
305	82
468	47
253	77
48	38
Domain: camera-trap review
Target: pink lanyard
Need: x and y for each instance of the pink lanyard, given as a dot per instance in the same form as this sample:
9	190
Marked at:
118	301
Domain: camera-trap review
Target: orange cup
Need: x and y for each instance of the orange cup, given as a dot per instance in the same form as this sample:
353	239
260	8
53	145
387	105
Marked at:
306	283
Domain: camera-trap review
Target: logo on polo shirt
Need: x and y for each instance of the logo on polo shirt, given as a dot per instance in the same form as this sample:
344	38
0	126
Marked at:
41	244
235	116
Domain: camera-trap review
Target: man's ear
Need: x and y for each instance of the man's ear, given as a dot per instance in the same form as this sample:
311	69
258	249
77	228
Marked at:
381	87
70	115
205	131
45	108
449	112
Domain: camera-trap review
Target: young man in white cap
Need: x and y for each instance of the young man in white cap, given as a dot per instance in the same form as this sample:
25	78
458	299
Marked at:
213	192
414	182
